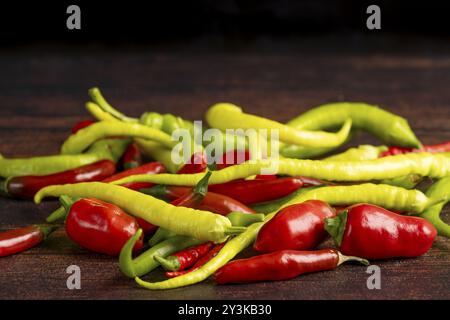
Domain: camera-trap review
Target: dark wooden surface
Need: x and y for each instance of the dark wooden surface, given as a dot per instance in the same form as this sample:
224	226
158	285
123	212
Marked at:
43	90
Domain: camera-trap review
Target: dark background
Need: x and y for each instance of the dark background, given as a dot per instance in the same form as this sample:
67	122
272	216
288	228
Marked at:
169	22
276	59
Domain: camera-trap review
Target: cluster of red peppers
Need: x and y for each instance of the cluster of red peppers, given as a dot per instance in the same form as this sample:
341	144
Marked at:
286	245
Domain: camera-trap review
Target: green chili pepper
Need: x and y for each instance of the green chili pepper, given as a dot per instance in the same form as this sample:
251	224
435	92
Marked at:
270	206
98	112
228	116
392	129
160	235
368	152
100	101
152	119
199	224
439	190
79	141
145	262
45	165
424	164
244	219
159	153
362	152
382	195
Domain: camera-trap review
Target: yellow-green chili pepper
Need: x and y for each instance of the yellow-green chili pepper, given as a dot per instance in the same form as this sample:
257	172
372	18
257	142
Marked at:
439	190
228	116
203	225
424	164
382	195
159	153
368	152
362	152
79	141
98	98
105	149
98	113
391	128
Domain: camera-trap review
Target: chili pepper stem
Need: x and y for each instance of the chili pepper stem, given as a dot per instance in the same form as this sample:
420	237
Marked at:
66	202
170	263
56	215
47	229
4	188
234	230
202	186
342	259
336	226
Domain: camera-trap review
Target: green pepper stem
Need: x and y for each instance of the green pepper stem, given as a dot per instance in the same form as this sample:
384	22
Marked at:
66	202
336	226
342	258
58	214
170	263
234	230
4	188
46	229
202	186
159	191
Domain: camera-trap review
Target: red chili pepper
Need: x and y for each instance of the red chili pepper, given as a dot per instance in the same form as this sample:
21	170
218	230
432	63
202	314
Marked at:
197	163
373	232
99	226
148	168
200	262
132	157
233	157
296	227
185	258
255	191
26	187
214	202
147	227
436	148
281	265
18	240
266	177
80	125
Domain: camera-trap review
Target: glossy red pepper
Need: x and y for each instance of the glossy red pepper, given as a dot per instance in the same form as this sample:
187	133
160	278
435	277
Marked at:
18	240
26	187
213	202
436	148
255	191
373	232
132	157
198	163
99	226
80	125
185	258
200	262
296	227
148	168
233	157
281	265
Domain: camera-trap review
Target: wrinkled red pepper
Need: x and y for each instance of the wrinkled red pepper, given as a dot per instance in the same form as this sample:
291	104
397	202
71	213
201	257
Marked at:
436	148
132	157
280	265
200	262
185	258
99	226
255	191
19	240
296	227
373	232
26	187
148	168
198	163
82	124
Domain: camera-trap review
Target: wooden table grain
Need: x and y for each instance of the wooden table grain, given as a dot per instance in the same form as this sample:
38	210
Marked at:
43	91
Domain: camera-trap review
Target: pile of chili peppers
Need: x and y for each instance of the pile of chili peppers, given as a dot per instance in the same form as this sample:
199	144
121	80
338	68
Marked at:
121	195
